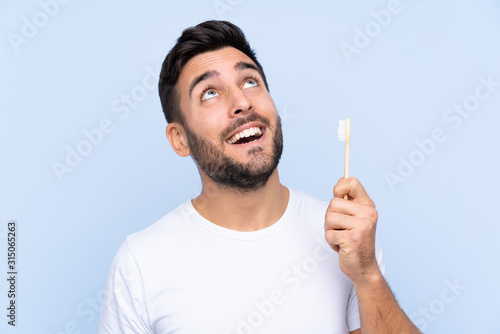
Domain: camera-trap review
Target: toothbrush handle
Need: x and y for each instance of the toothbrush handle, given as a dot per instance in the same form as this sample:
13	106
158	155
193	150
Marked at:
347	144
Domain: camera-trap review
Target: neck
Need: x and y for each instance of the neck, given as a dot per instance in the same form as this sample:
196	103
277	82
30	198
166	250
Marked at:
242	211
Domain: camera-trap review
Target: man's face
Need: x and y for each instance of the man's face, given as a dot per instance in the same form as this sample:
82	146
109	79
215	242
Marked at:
231	123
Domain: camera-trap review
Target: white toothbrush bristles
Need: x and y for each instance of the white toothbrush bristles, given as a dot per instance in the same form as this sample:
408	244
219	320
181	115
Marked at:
342	130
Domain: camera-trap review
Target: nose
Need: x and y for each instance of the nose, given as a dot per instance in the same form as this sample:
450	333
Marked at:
241	104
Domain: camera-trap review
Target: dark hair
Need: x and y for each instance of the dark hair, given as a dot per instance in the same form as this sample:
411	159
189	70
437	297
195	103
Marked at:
206	36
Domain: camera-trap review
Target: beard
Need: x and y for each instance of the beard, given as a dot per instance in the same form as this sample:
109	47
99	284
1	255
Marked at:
229	173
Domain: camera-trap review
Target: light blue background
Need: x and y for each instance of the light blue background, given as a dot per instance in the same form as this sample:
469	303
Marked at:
438	227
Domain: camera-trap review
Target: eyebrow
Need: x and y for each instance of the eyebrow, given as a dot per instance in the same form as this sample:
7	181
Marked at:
243	65
239	66
205	76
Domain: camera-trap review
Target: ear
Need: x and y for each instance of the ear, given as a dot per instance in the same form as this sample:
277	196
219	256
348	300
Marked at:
177	138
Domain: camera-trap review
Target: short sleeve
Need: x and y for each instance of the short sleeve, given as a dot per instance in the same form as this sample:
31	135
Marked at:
123	309
352	315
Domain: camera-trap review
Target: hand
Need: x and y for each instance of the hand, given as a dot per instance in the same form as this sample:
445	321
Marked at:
350	229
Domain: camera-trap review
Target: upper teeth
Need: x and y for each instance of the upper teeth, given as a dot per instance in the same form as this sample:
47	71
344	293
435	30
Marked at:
245	133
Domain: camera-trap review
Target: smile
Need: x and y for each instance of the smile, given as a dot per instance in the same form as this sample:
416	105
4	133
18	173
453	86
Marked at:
246	136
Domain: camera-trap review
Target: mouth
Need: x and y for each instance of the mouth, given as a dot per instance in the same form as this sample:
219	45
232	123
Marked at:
245	136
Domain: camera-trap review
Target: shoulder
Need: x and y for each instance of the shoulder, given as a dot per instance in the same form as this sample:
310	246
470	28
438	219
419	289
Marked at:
161	242
168	228
307	203
309	212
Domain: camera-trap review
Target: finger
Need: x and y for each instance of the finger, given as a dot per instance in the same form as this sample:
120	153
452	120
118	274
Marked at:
352	208
353	188
339	221
335	239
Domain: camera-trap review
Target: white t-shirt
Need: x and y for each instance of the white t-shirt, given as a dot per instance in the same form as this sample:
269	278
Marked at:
186	275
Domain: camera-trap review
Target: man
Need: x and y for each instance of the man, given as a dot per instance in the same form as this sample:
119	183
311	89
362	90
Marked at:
248	255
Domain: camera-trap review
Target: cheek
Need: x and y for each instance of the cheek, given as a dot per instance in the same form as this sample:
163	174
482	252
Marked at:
209	125
270	107
200	119
265	103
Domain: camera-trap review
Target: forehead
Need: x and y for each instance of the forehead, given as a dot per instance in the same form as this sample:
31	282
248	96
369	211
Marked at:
221	60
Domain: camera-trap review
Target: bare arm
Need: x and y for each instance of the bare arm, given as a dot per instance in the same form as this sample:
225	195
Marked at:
379	310
350	230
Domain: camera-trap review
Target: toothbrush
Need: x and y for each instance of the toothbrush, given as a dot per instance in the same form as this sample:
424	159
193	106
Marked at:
344	134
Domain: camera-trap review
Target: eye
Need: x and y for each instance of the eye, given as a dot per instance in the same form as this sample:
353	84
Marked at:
208	94
250	82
